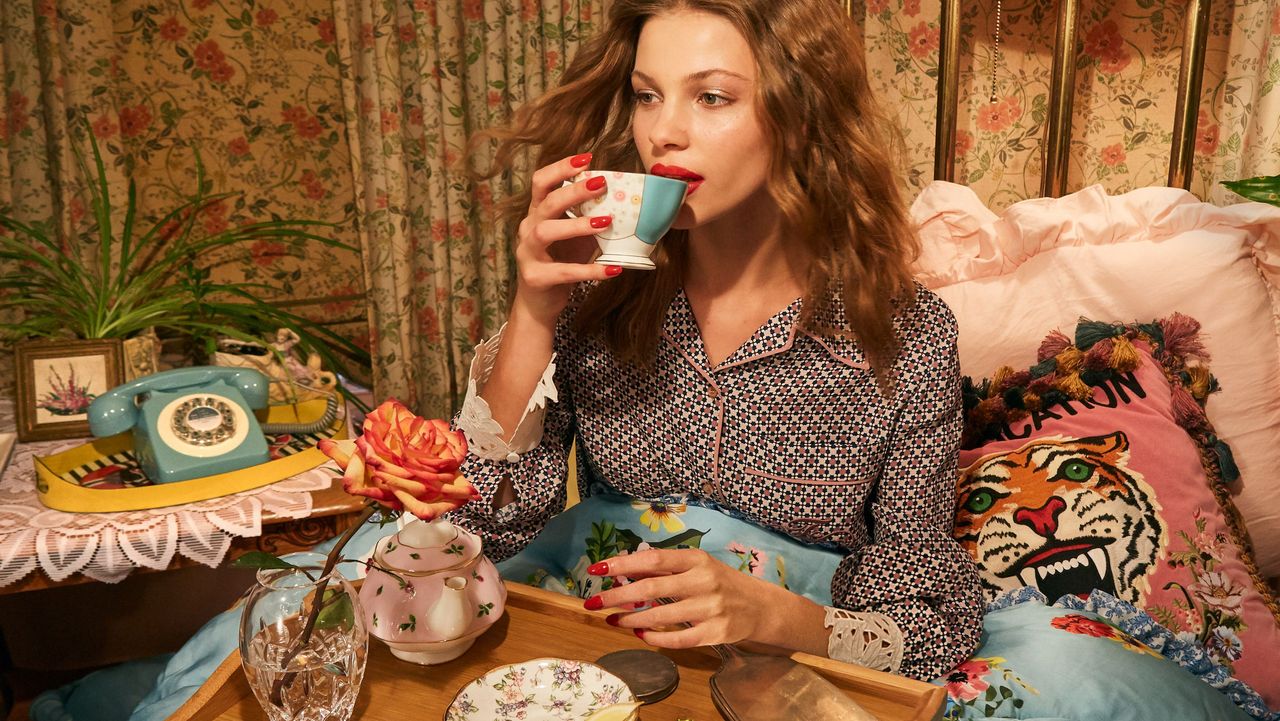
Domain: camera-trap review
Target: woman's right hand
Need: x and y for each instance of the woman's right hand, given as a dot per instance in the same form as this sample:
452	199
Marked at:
552	250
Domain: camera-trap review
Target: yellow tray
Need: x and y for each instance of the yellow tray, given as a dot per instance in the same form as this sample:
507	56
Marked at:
60	493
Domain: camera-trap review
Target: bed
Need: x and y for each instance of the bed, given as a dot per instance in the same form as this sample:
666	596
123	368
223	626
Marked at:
1133	340
1174	617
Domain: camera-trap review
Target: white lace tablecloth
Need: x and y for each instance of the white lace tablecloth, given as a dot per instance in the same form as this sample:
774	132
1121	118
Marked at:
108	546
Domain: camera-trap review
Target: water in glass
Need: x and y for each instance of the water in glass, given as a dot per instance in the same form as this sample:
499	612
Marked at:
295	680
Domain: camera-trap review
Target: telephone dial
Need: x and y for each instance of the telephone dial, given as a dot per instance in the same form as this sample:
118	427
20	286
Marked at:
188	422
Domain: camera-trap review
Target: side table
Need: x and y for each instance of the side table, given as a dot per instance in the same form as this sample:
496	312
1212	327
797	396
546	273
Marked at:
333	510
81	591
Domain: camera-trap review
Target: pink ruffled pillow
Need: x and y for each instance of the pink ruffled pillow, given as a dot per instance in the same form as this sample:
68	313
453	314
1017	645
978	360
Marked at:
1044	263
1097	469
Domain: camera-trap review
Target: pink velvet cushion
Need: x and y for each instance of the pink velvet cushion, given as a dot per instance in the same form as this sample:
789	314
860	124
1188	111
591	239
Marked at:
1043	263
1096	469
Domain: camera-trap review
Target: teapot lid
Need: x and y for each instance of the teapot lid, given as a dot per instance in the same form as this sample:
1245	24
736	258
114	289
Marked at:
422	548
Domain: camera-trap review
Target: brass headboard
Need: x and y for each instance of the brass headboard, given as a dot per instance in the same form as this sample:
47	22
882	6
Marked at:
1057	141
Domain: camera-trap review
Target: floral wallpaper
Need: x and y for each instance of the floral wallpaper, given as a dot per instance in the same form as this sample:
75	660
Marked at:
247	85
351	111
1126	82
358	112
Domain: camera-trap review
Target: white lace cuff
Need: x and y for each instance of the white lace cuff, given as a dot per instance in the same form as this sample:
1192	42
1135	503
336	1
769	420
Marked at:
484	434
866	638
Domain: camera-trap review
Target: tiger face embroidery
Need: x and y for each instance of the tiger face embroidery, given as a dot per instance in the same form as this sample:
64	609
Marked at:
1062	515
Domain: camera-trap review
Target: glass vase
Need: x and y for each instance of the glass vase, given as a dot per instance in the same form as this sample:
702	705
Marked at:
304	661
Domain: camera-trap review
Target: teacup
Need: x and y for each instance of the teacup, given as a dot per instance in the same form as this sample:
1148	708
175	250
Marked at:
643	208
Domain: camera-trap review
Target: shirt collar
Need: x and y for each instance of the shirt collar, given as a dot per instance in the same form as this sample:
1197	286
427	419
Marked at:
834	336
775	336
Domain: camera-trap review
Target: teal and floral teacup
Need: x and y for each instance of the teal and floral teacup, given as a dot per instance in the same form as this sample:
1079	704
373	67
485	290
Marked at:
643	208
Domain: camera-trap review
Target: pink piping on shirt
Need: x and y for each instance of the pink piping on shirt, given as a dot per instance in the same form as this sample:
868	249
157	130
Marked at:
791	339
715	454
806	481
842	358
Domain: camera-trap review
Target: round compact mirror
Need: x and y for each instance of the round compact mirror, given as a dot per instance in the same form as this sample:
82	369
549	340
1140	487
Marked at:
650	675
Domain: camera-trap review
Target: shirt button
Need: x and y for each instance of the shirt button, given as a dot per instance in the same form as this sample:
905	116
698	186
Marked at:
513	457
713	393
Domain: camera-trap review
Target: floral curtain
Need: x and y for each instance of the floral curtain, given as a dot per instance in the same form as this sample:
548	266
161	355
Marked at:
423	76
1126	84
358	112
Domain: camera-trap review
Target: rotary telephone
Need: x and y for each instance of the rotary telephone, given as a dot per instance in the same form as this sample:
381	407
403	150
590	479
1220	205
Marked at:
188	422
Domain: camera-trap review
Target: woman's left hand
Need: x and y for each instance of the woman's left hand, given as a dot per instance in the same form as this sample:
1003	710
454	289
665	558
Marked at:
685	586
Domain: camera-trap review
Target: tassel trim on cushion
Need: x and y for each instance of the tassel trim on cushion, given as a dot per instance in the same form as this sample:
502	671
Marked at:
1070	369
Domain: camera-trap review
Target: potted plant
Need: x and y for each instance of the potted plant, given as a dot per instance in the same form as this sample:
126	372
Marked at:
158	277
1263	189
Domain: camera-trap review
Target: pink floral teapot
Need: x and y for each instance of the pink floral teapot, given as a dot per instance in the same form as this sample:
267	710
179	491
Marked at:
430	592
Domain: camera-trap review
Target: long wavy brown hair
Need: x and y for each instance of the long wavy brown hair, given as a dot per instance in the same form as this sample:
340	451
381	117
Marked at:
832	172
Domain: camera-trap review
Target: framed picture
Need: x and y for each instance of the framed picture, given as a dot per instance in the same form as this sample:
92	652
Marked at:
56	381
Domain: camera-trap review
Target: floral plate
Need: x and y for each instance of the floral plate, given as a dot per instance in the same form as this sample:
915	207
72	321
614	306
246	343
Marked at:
555	689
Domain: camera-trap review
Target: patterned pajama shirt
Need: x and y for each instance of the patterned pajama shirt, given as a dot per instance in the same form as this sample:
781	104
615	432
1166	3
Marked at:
792	432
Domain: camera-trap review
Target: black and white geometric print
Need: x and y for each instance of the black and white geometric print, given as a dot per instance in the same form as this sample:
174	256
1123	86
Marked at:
792	432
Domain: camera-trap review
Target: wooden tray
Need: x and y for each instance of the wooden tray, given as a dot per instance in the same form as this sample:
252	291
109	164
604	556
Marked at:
539	623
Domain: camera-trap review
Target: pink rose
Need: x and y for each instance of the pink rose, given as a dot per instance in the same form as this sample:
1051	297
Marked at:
405	462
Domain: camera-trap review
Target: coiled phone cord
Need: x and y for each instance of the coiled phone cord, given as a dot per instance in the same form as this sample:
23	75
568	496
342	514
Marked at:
330	412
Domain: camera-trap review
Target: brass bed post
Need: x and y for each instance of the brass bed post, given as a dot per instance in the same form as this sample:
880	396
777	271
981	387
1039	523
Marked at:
1053	181
944	143
1190	77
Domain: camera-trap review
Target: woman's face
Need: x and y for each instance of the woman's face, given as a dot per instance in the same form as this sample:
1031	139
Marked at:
695	116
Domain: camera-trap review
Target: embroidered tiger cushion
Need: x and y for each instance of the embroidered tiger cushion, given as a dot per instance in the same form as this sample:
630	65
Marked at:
1080	490
1097	469
1133	255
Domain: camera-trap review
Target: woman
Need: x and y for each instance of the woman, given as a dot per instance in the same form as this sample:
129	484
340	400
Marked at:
780	365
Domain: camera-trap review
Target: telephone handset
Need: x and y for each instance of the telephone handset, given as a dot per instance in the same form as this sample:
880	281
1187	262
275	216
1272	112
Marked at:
189	422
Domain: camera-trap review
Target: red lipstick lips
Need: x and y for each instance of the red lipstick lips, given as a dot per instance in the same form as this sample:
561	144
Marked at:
678	173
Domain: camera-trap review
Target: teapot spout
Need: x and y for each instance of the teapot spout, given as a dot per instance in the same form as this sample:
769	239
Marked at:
452	614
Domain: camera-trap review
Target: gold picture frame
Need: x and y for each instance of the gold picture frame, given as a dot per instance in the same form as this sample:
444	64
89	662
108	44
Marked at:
56	380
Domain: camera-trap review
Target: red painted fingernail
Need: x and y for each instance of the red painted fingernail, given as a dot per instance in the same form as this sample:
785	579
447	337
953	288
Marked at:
640	604
578	161
612	270
602	221
600	568
593	604
612	619
595	183
639	633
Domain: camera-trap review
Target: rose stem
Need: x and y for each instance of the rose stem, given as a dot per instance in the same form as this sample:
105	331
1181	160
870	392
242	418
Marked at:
316	600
